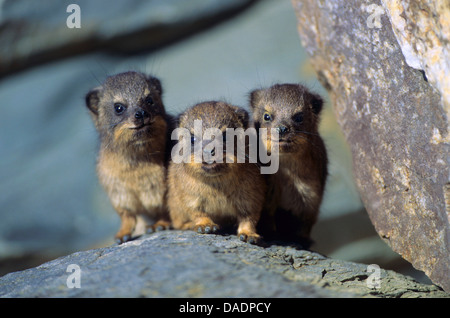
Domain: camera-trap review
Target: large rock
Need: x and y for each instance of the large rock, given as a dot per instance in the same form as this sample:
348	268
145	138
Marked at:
393	119
422	29
187	264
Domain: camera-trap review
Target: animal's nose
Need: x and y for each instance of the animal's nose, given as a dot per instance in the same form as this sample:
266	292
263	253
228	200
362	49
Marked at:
140	114
282	130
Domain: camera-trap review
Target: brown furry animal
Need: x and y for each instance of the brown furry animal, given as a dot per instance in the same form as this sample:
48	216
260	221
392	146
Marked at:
133	126
206	196
298	186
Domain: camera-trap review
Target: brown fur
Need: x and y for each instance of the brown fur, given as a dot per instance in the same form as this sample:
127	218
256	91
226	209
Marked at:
131	164
296	190
206	197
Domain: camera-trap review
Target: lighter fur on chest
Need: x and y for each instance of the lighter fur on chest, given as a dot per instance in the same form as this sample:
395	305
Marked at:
296	193
224	203
134	188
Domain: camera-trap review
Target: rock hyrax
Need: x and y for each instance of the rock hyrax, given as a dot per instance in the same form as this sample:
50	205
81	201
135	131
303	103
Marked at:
133	126
299	184
206	195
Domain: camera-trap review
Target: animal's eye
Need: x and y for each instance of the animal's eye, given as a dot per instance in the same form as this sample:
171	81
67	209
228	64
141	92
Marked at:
267	117
298	117
149	100
119	108
193	139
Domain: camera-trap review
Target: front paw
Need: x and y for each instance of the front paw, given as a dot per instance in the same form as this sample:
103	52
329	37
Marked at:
208	228
123	238
252	238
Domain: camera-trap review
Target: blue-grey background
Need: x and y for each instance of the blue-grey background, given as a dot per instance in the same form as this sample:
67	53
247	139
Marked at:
50	201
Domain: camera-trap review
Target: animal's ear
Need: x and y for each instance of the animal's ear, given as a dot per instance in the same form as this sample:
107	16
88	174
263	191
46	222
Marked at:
316	103
155	84
255	97
92	100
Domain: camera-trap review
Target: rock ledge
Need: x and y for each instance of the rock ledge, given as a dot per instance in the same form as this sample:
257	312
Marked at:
186	264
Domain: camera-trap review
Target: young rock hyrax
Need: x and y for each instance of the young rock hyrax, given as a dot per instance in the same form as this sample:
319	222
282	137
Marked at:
299	184
133	126
204	194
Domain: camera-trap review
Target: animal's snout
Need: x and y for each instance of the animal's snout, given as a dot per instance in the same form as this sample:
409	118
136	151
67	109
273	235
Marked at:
282	130
140	114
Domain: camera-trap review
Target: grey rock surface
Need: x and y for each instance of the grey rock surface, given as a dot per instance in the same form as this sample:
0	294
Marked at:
187	264
393	119
422	30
